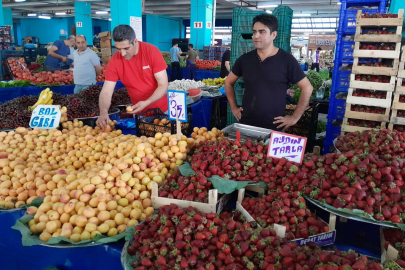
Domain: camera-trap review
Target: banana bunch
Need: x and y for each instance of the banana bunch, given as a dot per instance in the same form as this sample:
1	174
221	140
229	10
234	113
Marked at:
218	81
45	98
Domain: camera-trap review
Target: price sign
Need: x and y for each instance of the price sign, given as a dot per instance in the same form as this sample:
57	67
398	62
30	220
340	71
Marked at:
79	24
287	146
177	105
198	25
45	117
209	25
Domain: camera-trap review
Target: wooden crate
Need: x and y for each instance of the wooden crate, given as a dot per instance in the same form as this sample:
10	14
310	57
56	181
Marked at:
403	54
372	85
367	116
395	120
396	104
401	70
347	128
213	206
387	71
400	89
380	21
378	38
382	103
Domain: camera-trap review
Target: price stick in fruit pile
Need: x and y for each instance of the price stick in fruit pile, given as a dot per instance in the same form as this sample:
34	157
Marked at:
177	108
287	146
45	117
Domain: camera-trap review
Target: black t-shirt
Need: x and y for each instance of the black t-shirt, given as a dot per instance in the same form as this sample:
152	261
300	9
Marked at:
225	57
266	84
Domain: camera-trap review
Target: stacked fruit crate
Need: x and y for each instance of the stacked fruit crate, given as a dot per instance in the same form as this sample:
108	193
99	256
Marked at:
343	61
369	99
397	120
284	15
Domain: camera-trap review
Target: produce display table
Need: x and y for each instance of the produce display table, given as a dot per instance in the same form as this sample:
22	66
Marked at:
15	256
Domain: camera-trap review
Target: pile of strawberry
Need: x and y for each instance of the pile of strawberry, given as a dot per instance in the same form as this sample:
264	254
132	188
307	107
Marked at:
364	123
396	239
194	188
233	160
370	94
286	210
373	78
402	99
378	32
368	109
382	47
174	238
378	15
381	142
374	64
358	181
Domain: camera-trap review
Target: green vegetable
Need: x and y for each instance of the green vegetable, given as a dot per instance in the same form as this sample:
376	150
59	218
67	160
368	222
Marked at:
321	127
183	63
40	60
296	96
217	68
315	80
38	70
17	83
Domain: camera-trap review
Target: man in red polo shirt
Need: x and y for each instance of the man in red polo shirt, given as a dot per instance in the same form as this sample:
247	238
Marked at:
141	68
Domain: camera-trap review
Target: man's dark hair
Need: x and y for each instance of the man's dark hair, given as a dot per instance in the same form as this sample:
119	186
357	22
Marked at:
29	41
124	32
191	46
319	49
268	20
174	43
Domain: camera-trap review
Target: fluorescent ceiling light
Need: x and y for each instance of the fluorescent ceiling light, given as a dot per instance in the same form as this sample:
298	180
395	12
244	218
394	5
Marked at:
267	6
19	1
31	14
60	13
44	17
301	15
339	3
101	12
269	11
109	19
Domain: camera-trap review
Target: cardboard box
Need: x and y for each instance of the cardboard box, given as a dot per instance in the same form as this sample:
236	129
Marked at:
105	43
106	51
105	59
105	35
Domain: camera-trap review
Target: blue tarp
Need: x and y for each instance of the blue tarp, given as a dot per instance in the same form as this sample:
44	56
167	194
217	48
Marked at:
201	111
14	256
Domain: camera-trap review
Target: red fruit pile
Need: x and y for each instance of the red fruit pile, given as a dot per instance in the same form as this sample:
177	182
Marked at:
382	46
378	32
368	109
193	188
101	77
376	64
396	239
286	210
174	238
233	160
402	99
378	15
364	123
373	78
370	94
401	113
381	142
121	97
359	181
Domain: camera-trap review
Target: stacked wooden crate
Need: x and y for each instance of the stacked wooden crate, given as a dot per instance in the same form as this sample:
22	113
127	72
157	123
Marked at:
397	120
377	96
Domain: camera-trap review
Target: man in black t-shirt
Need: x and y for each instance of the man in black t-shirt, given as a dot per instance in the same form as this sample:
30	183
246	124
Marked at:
225	64
267	72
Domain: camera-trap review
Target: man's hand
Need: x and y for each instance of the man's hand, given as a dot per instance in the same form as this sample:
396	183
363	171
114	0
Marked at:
64	59
103	121
237	112
286	121
140	106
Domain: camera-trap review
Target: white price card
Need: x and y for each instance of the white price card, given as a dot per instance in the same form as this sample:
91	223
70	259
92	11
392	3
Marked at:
79	24
287	146
198	24
45	117
177	105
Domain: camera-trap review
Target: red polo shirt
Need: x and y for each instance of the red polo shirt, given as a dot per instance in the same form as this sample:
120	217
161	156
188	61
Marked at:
137	74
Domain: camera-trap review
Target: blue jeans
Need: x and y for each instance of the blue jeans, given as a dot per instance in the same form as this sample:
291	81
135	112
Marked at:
192	71
79	88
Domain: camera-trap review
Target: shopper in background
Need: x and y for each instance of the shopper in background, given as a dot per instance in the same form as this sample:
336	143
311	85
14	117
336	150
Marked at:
267	72
59	54
315	59
86	65
191	57
175	53
141	68
225	64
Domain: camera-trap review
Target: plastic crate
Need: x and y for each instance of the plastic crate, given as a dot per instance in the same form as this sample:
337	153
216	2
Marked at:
328	148
309	116
337	108
344	51
324	74
284	15
242	19
145	124
239	92
230	119
342	78
332	132
240	45
283	41
349	22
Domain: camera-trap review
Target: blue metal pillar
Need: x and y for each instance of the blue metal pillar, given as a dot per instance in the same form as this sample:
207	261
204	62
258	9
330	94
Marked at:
395	6
201	23
8	19
84	25
127	12
1	14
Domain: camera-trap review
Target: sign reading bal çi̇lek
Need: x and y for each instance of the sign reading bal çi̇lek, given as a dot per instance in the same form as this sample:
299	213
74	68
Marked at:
287	146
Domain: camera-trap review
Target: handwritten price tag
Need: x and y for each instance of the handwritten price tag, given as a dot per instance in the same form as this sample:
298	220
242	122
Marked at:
177	105
45	117
283	145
